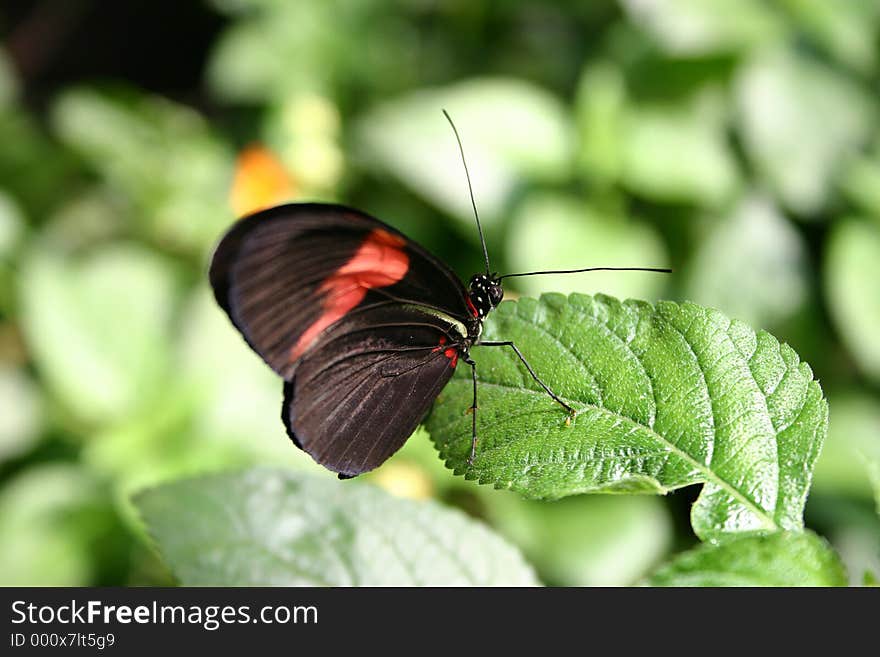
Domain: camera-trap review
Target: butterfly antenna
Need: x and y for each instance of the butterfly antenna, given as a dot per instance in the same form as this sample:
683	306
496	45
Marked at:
470	191
578	271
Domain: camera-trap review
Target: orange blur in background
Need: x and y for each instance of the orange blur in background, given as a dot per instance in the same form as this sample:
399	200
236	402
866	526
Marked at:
260	181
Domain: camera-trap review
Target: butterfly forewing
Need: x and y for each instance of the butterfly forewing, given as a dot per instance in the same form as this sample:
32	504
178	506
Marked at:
287	274
364	325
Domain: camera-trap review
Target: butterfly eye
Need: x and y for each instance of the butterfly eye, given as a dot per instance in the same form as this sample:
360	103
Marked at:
496	294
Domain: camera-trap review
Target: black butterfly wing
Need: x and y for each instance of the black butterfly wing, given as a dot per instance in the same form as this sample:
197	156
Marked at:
287	274
358	395
358	319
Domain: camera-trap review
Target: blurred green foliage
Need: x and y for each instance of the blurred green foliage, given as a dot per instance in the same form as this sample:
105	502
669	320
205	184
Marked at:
737	141
782	559
275	527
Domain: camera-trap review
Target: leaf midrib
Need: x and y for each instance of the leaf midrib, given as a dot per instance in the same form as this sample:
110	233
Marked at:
710	475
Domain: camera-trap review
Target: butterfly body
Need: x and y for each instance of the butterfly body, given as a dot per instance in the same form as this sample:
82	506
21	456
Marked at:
364	325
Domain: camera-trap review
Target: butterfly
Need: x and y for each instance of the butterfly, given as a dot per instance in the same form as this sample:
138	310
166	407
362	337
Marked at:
364	325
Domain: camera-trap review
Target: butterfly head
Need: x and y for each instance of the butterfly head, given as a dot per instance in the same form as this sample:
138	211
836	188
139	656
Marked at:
485	293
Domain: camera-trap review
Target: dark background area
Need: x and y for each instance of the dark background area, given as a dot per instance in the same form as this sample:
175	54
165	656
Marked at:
158	46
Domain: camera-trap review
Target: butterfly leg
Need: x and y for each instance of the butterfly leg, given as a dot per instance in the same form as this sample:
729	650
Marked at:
473	411
509	343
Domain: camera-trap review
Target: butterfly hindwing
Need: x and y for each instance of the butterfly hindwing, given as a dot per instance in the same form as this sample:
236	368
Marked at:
357	396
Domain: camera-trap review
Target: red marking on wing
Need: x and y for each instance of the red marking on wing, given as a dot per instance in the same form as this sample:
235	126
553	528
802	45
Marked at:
378	262
452	354
470	304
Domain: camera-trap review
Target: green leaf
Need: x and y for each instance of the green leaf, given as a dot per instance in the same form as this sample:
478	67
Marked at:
98	327
874	474
303	131
779	559
97	215
21	412
850	523
159	155
12	225
500	121
861	181
600	108
33	168
853	431
668	396
704	27
852	269
556	231
751	265
275	49
218	413
678	152
847	29
251	60
235	391
47	541
277	528
585	540
796	151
